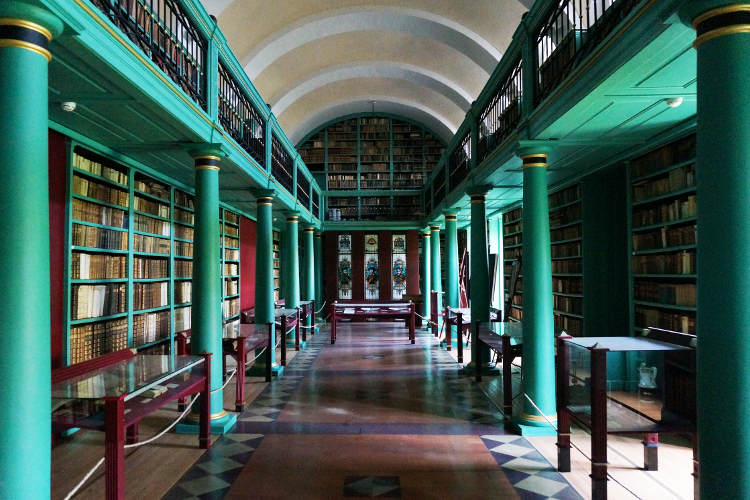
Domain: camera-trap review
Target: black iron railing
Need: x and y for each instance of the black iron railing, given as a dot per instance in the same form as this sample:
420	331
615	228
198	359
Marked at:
282	165
459	161
303	190
438	190
316	204
167	36
501	116
240	118
573	29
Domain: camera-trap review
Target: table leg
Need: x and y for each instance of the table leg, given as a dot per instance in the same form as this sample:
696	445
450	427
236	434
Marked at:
475	354
312	318
131	434
204	436
696	476
283	341
269	353
598	424
412	324
296	333
181	349
448	330
563	417
333	323
304	316
651	451
114	447
239	402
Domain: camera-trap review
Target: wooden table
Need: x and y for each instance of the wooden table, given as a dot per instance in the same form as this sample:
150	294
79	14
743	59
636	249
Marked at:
380	311
461	319
505	339
108	394
238	345
286	319
307	309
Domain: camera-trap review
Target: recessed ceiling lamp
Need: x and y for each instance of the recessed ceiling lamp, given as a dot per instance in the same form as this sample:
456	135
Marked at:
673	102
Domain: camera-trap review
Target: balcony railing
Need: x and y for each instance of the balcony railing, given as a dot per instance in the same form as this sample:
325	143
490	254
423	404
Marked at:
240	118
459	161
501	116
439	188
303	190
572	30
167	36
316	204
282	165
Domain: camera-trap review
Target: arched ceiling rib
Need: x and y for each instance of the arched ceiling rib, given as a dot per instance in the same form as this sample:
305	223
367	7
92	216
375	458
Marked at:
423	59
382	69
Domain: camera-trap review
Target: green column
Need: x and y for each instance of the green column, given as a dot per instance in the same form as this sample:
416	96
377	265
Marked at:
308	270
479	263
723	370
538	370
264	303
25	32
206	309
437	278
426	273
292	265
319	299
451	253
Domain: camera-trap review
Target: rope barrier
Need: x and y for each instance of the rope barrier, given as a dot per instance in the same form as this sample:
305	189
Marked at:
256	357
231	374
577	448
321	308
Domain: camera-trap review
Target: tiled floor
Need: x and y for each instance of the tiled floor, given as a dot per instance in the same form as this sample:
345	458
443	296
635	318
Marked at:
371	416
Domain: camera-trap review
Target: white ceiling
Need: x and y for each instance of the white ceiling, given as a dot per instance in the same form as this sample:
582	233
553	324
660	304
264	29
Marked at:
316	60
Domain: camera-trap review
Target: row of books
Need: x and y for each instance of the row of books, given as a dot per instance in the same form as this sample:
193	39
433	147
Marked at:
231	287
150	295
183	268
674	180
232	328
184	216
85	266
681	294
564	196
152	187
572	326
565	233
150	244
96	168
564	215
342	167
183	292
681	322
151	327
231	254
183	232
376	163
515	239
234	231
101	192
671	263
231	242
93	301
572	249
150	206
512	253
567	285
182	318
95	339
672	154
573	305
376	200
97	237
568	266
231	217
231	269
665	237
231	307
149	225
148	268
183	199
516	314
681	208
183	249
98	214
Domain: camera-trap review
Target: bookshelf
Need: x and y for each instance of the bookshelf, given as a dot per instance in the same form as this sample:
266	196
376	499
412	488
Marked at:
130	259
566	239
384	155
663	236
230	268
512	247
276	266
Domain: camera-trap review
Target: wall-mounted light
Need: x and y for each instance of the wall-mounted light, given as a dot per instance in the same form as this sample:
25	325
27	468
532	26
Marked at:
68	106
673	102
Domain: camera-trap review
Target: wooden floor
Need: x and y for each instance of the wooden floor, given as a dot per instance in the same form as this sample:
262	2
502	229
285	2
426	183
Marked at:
373	382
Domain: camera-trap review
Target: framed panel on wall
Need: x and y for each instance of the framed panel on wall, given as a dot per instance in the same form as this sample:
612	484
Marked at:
372	272
344	271
398	266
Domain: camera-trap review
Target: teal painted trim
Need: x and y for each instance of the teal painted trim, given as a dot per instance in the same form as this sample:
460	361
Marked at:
662	224
153	235
186	209
105	280
156	342
150	280
136	312
94	224
99	202
151	197
571	240
671	194
662	305
150	254
95	250
157	217
664	250
98	318
99	178
673	276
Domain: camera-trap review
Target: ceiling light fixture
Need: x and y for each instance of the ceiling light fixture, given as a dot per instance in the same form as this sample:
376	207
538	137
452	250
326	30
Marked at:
673	102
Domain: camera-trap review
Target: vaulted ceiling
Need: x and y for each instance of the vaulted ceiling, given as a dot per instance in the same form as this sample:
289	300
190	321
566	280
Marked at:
316	60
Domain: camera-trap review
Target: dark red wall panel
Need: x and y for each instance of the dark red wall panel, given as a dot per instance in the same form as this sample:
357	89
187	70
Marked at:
57	184
412	262
248	246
